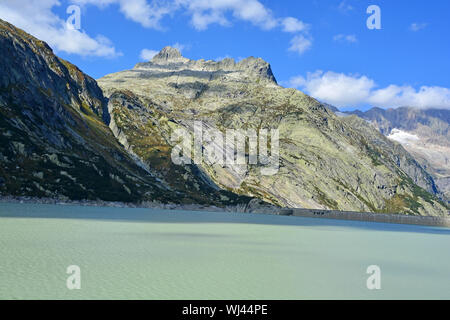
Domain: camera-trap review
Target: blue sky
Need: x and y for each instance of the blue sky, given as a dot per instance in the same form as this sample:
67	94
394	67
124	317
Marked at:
336	59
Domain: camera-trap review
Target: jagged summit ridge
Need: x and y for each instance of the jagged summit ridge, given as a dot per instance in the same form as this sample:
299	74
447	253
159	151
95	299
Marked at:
171	59
168	55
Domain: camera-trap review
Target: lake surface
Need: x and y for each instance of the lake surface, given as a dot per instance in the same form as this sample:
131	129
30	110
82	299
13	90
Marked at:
126	253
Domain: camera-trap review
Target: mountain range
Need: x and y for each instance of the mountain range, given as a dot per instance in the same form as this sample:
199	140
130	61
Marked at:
65	135
423	132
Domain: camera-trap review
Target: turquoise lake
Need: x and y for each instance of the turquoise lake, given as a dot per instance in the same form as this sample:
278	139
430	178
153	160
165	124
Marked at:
126	253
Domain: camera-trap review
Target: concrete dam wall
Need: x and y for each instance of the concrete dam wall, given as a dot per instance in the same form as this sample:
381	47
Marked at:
370	217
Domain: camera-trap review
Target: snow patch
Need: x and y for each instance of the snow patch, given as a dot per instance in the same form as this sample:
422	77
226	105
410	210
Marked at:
402	137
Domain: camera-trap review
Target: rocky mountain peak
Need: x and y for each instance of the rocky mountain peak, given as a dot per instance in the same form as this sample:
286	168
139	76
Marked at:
169	59
257	66
168	54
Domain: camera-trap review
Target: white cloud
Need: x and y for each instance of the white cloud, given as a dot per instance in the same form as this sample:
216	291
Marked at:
291	24
351	38
179	46
205	13
344	90
148	14
425	97
295	82
335	88
36	17
147	54
402	136
344	6
300	44
208	12
417	26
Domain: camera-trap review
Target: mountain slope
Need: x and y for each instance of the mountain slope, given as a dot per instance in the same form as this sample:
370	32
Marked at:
60	137
325	161
54	141
425	133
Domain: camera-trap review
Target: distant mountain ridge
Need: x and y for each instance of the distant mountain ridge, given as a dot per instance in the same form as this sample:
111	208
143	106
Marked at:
410	119
425	133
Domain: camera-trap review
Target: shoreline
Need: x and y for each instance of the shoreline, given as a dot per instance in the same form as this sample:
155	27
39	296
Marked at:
432	221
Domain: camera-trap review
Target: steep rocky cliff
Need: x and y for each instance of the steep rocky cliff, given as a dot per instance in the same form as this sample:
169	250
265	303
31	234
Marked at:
55	141
325	161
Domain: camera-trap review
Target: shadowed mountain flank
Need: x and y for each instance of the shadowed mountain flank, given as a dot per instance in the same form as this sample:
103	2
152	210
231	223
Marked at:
55	141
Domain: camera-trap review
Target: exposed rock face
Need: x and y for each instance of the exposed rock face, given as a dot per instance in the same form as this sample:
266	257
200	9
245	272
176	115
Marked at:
325	161
60	137
170	60
54	141
425	133
169	55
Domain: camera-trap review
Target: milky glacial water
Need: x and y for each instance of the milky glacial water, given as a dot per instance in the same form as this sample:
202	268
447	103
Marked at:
126	253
